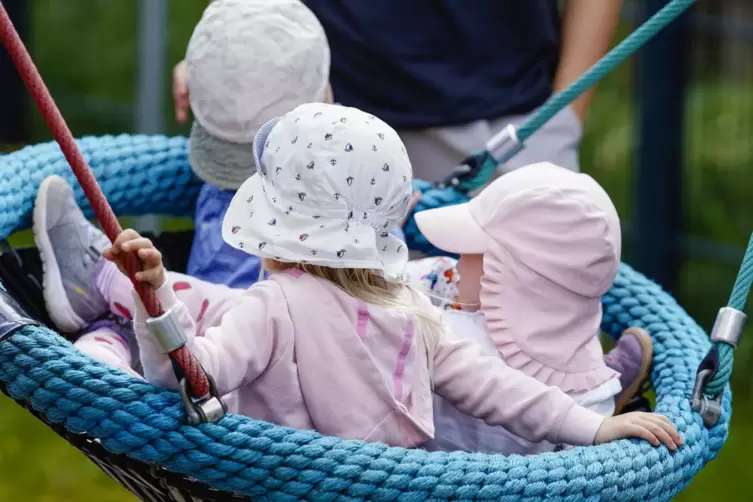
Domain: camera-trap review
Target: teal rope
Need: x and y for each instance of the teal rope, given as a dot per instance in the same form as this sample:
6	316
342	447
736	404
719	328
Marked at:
741	289
737	301
606	64
726	356
488	164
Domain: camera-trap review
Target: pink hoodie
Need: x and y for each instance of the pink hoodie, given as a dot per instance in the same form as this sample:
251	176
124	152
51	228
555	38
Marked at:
300	352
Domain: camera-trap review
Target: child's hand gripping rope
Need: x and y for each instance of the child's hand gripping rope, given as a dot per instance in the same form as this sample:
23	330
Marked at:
128	241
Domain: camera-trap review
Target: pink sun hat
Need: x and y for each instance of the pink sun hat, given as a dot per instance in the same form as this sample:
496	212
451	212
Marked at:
551	244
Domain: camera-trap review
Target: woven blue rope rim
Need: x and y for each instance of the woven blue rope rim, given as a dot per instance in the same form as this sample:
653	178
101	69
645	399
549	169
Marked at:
139	174
151	174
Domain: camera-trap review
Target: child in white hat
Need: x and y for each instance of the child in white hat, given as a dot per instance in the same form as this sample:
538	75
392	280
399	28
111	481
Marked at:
538	249
329	342
248	61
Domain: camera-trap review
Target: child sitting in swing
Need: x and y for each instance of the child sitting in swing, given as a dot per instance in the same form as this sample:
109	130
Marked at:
538	249
329	342
247	62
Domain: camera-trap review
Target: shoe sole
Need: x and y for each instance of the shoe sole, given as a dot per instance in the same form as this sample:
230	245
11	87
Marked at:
58	307
647	354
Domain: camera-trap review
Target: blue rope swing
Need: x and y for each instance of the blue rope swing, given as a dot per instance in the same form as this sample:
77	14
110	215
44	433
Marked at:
267	462
150	174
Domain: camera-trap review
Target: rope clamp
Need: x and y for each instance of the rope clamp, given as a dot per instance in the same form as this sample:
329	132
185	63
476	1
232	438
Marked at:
709	409
504	145
200	411
728	326
500	148
167	332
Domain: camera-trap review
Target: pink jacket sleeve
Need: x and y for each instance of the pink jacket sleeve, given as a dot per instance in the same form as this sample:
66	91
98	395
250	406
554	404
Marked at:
485	387
250	338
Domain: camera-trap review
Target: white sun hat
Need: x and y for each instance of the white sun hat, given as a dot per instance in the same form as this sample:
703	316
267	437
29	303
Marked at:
249	61
331	184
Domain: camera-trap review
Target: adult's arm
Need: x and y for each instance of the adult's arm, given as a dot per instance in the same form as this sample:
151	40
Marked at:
588	27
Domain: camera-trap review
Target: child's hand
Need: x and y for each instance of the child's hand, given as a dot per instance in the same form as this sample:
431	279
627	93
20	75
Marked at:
180	92
652	427
128	241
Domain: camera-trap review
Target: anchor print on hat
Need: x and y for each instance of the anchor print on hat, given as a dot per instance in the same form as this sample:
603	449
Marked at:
331	163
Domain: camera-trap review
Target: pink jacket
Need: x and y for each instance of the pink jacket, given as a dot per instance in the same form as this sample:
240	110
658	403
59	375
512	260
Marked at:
302	353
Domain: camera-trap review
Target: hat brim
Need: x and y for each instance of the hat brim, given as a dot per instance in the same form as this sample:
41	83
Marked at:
250	224
452	229
219	162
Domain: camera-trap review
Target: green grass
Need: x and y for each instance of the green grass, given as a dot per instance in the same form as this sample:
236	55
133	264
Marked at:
37	466
88	47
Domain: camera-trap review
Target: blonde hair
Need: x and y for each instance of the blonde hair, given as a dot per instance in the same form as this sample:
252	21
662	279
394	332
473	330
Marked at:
373	288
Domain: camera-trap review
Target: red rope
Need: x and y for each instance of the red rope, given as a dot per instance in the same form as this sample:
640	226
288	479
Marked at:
102	210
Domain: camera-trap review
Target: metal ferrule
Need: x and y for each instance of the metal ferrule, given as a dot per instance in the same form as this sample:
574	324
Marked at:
167	331
505	144
728	327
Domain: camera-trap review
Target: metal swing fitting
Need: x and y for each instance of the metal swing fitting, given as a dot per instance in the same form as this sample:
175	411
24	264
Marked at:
709	409
501	147
201	411
728	329
504	145
728	326
166	331
168	335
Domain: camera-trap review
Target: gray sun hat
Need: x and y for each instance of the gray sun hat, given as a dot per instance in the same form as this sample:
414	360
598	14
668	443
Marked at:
249	61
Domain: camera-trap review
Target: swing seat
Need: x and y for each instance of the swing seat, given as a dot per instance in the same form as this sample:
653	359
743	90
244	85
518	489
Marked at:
137	433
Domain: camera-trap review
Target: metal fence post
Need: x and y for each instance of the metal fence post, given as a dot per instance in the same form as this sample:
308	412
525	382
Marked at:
662	74
150	90
13	118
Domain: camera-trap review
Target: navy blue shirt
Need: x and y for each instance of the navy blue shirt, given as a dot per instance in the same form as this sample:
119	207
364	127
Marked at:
430	63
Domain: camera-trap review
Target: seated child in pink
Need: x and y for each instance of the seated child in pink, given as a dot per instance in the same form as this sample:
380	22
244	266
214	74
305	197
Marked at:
539	247
247	62
330	342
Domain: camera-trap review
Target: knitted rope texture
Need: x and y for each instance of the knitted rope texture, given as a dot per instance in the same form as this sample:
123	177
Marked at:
138	174
141	174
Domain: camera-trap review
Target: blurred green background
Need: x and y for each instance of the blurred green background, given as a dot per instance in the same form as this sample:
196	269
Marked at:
87	52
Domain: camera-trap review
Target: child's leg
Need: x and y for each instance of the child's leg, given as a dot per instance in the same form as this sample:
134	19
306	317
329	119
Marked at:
206	302
631	358
109	341
80	286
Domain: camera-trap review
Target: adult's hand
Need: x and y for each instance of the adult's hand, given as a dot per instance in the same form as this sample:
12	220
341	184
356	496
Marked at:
180	92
